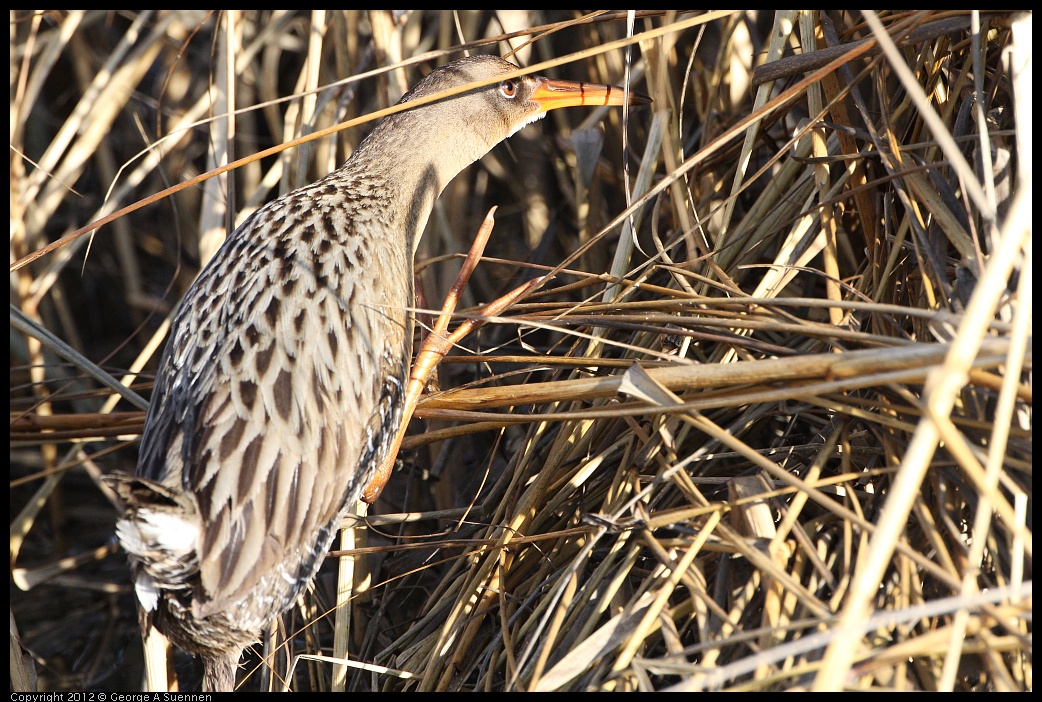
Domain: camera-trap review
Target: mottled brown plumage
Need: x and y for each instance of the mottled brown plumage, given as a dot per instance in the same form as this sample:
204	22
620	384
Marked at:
280	388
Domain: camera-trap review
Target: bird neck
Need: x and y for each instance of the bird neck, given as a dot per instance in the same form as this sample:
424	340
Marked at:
411	156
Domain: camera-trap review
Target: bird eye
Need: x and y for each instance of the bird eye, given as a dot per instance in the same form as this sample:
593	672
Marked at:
508	88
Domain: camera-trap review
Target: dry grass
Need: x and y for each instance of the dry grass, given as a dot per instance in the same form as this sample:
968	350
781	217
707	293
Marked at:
778	438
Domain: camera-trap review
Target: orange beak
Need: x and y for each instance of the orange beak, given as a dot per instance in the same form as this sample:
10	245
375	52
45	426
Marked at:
551	94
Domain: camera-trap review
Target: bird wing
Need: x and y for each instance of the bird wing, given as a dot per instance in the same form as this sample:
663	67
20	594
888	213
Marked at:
275	393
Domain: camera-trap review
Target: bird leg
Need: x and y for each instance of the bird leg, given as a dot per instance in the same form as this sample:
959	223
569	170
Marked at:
219	672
